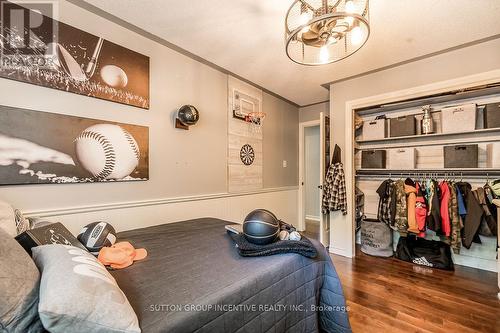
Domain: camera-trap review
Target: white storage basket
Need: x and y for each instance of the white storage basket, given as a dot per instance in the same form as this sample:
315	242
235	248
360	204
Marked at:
493	155
402	158
374	129
456	119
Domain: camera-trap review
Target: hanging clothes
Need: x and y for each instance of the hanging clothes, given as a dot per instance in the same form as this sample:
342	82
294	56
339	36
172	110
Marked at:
473	217
334	191
444	209
411	201
401	218
420	208
489	223
384	192
434	213
456	239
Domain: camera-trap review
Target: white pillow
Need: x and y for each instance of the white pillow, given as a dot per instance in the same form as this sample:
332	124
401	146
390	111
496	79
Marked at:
8	219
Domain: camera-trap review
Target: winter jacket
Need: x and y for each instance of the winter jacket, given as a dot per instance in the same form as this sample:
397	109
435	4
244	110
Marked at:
411	201
384	192
455	219
434	214
489	224
474	214
401	219
420	209
444	209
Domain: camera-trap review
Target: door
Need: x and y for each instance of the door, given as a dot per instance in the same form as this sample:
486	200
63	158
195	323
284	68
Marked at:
324	135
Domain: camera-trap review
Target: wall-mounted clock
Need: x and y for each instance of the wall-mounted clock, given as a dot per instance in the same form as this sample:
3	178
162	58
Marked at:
247	154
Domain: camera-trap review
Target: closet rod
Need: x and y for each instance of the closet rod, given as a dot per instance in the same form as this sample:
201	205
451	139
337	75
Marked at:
439	173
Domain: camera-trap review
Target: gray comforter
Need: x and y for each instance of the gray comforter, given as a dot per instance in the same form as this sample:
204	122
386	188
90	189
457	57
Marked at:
193	280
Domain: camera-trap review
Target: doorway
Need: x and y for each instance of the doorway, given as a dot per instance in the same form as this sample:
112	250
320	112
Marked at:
312	181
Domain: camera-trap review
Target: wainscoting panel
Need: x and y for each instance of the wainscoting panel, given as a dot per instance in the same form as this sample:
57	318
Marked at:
139	214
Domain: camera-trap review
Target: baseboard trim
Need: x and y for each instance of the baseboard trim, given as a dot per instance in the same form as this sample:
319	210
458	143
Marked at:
152	202
312	218
340	252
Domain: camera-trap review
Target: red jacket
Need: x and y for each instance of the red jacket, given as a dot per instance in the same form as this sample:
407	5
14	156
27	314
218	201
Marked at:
445	213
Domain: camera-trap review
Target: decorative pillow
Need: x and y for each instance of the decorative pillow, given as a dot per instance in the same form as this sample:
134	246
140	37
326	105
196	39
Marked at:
7	219
77	294
19	281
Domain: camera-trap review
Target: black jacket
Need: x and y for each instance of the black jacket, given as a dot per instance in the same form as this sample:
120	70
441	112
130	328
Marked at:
474	214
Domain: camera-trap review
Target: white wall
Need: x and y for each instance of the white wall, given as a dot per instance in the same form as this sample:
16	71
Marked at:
311	170
466	61
182	163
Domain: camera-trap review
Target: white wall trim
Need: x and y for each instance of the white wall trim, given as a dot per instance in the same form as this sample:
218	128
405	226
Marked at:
416	92
301	225
312	218
143	203
341	252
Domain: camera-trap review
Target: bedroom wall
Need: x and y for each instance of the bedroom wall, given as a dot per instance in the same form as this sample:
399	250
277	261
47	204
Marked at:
183	164
311	112
454	64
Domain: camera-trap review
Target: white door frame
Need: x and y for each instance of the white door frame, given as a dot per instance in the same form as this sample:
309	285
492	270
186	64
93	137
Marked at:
349	166
301	226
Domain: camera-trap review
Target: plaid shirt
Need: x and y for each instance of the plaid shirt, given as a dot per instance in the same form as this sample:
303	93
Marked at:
334	191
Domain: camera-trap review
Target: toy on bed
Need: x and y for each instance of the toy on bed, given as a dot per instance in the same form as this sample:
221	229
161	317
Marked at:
264	234
120	255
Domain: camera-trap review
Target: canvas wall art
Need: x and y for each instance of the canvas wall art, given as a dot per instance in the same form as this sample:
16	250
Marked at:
43	51
41	147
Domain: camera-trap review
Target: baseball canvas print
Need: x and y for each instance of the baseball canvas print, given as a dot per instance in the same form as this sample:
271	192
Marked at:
38	49
41	147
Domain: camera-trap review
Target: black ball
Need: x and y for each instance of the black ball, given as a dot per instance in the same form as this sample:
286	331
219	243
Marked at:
96	235
261	227
188	115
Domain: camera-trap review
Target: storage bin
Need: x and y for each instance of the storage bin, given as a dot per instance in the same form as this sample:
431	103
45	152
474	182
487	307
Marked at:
402	158
376	238
374	130
373	159
493	155
461	156
492	115
402	126
461	118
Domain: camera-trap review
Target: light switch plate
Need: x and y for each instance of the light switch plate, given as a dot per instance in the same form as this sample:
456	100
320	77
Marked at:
284	163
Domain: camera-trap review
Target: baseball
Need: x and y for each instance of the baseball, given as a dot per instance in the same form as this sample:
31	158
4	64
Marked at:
294	235
107	151
114	76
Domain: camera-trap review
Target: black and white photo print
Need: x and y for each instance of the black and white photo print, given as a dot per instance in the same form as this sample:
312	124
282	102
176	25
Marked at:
41	147
43	51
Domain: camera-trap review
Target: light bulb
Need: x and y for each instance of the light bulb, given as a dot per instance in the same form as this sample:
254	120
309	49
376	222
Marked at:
356	36
324	55
350	7
304	18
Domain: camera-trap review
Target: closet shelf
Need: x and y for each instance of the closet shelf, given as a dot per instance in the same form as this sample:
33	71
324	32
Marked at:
416	138
461	172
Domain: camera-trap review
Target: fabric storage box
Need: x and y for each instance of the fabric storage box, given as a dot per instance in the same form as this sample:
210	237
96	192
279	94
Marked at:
461	156
492	115
461	118
403	126
54	233
374	129
376	238
373	159
402	158
493	155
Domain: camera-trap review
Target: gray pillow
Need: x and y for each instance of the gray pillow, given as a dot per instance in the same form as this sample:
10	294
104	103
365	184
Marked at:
7	219
19	280
77	294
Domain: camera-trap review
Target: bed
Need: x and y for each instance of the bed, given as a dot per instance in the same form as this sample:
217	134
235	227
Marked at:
193	280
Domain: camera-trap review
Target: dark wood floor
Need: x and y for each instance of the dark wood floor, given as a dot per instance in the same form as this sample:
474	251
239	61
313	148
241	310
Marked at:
388	295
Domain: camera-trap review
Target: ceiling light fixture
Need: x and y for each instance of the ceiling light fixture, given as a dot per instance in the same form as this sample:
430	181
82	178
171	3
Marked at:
321	32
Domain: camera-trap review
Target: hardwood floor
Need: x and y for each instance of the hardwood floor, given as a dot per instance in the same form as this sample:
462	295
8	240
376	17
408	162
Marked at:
389	295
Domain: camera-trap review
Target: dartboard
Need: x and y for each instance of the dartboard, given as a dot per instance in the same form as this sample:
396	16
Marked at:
247	155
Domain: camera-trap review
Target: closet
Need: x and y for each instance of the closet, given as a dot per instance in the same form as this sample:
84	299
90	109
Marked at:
449	137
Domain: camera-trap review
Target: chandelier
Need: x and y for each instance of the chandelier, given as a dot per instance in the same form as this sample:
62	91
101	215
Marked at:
321	32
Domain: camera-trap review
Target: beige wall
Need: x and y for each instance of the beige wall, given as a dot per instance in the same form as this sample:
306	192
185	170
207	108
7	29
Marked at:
466	61
281	143
312	112
182	163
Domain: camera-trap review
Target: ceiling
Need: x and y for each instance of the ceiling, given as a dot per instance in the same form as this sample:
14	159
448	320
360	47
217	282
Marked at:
246	37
